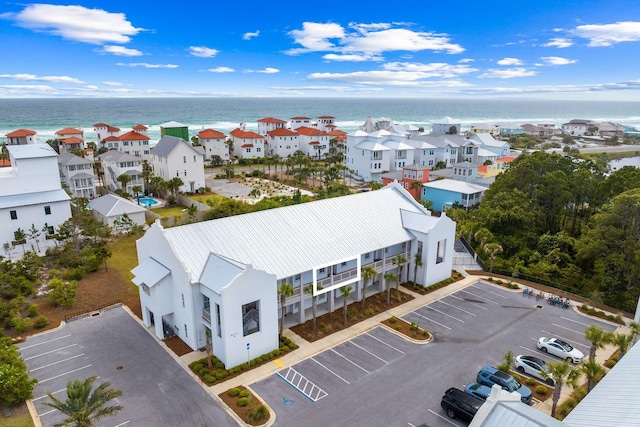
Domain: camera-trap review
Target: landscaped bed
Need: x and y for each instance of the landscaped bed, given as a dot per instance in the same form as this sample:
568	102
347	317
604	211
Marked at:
423	290
248	407
411	330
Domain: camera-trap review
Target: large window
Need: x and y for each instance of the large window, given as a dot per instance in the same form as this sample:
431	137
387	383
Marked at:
14	214
440	254
218	321
250	318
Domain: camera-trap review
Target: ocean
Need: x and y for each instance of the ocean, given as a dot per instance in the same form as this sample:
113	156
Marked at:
46	116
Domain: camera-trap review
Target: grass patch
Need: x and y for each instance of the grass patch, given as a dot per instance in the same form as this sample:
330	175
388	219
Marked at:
20	417
124	257
208	199
169	211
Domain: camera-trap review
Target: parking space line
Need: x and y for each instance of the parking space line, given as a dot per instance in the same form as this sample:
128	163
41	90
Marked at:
330	371
47	413
566	339
62	375
440	416
350	361
568	329
491	292
425	317
458	308
59	361
468	302
319	395
478	296
388	345
539	354
442	312
46	395
49	352
364	349
575	321
121	424
44	342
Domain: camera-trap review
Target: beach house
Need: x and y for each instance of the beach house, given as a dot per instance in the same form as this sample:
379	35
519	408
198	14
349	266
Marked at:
247	144
215	145
221	277
21	137
282	142
70	139
115	163
174	157
77	174
370	155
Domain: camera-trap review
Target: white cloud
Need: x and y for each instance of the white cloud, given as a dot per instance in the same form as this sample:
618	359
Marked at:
509	61
121	51
77	23
557	60
466	60
267	70
436	69
315	37
203	52
609	34
387	78
221	70
146	65
364	28
250	35
559	42
112	83
507	73
39	88
33	77
351	58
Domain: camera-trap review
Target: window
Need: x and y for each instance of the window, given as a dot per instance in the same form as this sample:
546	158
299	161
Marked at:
194	159
248	150
184	159
14	214
178	173
322	270
258	149
440	252
186	334
366	256
218	322
47	210
185	172
50	229
251	318
182	300
342	264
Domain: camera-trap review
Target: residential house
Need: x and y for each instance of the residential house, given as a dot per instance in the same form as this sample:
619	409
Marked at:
31	194
21	137
175	157
370	155
282	142
609	129
76	173
115	163
446	148
313	142
509	129
215	145
70	139
176	129
268	124
384	123
247	144
220	278
114	210
104	131
446	126
540	129
136	144
578	127
410	178
497	147
326	123
444	193
501	164
298	121
489	128
464	171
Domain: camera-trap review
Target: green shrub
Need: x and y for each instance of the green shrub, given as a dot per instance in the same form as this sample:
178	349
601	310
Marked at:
220	375
610	363
197	366
414	326
21	324
62	294
398	327
245	393
219	365
257	414
490	279
243	401
530	382
40	322
393	320
204	371
499	282
542	390
276	352
32	310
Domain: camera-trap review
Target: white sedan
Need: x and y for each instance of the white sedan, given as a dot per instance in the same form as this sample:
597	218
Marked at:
535	367
560	348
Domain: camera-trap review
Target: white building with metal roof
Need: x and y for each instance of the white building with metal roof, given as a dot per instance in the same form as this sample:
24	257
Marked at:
113	210
31	194
174	157
223	275
77	174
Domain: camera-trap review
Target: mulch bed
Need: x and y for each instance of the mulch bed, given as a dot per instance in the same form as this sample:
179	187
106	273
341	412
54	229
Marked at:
243	411
330	323
178	346
404	327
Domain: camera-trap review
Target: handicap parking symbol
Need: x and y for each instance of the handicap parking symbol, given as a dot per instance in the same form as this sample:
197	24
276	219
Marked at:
288	402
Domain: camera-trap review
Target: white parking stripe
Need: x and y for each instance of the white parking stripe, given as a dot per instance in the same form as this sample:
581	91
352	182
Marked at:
49	352
551	334
44	342
431	320
47	413
458	308
388	345
59	361
62	375
468	302
45	396
442	312
364	349
575	321
490	292
350	361
440	416
330	371
539	354
478	296
121	424
568	329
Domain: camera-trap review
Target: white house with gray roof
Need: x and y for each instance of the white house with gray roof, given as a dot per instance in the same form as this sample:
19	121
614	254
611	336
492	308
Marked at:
77	174
111	210
222	275
116	163
31	193
370	155
174	157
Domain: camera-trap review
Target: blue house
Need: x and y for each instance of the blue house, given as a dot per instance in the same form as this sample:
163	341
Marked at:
445	192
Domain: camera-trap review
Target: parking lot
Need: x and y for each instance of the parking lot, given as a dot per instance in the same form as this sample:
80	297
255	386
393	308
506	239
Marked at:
114	347
380	379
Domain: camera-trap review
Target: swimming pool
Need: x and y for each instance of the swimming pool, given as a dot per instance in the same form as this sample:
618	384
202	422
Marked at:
147	201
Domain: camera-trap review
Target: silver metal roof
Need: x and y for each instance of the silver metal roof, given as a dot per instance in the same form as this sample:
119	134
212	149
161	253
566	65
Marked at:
28	199
518	414
286	241
31	151
149	272
110	205
461	187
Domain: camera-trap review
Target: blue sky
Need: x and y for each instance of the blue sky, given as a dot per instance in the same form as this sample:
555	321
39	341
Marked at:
548	49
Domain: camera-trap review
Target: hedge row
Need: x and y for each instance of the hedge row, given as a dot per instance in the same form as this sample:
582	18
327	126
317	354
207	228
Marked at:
423	290
601	314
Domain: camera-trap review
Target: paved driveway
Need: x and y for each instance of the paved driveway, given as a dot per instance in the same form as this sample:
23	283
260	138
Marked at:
114	347
381	379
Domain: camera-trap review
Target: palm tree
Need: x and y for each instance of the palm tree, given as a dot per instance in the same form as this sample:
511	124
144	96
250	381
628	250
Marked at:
593	371
399	260
84	406
390	278
635	331
483	235
492	249
562	373
314	303
285	290
417	263
207	347
124	179
598	337
345	291
137	189
622	341
174	185
416	185
368	273
192	211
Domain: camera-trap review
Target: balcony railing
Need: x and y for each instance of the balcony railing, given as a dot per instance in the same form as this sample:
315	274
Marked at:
206	315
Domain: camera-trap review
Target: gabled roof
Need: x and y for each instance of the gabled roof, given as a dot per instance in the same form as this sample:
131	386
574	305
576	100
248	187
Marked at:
20	133
303	130
246	146
28	199
505	159
118	156
110	138
300	118
326	117
271	120
31	151
71	140
219	272
71	159
139	127
100	125
241	134
149	272
172	124
111	205
337	132
211	134
133	136
371	146
446	121
282	132
167	144
67	131
487	139
455	186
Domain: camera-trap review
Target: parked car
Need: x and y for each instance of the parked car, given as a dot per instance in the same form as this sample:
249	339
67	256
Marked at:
560	348
535	367
489	376
478	390
459	404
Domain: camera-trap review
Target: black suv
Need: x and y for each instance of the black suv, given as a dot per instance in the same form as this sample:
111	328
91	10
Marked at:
459	404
